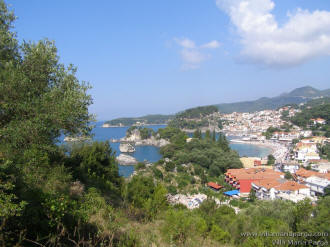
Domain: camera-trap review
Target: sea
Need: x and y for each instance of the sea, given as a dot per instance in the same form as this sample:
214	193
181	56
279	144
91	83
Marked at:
151	153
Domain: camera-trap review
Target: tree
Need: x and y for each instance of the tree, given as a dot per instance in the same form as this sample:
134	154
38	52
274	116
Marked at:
156	202
252	195
208	135
223	143
40	97
214	138
214	170
288	175
271	159
327	191
197	134
94	164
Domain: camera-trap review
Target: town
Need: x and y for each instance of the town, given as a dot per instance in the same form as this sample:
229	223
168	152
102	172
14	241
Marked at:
298	170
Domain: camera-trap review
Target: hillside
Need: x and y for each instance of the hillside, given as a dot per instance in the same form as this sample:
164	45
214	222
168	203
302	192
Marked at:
148	119
296	96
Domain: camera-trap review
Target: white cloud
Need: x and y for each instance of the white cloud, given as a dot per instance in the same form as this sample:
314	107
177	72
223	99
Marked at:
193	55
211	45
305	35
186	43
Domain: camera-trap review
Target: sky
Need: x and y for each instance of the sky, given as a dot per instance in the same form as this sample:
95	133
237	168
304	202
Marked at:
160	57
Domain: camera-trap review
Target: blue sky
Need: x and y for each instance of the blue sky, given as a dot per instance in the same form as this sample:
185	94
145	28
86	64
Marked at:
147	56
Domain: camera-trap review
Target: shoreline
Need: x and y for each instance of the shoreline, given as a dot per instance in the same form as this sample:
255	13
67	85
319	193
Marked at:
123	126
279	151
259	144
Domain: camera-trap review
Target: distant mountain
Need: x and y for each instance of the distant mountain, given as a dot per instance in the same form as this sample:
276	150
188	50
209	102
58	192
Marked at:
296	96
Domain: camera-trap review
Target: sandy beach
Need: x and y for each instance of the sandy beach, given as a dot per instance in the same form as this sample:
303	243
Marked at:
279	151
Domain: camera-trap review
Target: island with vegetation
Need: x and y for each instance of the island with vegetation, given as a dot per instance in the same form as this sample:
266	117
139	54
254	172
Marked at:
139	121
54	195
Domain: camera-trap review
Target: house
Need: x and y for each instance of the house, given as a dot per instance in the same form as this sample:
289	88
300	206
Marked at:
317	184
318	121
257	163
321	166
289	167
281	189
285	136
242	179
316	181
306	151
214	186
305	133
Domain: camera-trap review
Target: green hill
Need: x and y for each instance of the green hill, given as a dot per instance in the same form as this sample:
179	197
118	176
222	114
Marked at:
148	119
296	96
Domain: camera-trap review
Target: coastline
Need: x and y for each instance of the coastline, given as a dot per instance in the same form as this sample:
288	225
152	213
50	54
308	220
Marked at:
279	151
259	144
123	126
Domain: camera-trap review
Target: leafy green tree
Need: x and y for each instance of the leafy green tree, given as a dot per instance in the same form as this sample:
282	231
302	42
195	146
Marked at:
139	190
180	226
302	212
197	134
288	175
271	159
169	166
214	170
41	98
327	191
252	195
208	135
157	173
223	143
157	202
219	234
214	137
94	164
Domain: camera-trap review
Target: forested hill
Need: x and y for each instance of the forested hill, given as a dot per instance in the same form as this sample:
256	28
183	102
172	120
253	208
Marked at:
148	119
297	96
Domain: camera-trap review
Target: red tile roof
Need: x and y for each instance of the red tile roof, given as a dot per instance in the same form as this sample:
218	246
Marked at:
214	185
307	173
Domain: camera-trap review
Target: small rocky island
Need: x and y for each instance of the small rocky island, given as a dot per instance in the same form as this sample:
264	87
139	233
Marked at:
124	159
139	137
126	148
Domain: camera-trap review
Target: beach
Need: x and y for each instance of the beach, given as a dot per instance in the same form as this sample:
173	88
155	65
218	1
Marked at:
278	150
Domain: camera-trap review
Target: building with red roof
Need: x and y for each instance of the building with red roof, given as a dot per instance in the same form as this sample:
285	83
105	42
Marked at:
243	178
214	186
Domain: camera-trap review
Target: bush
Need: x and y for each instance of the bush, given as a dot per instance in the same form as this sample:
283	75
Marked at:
219	234
169	166
157	173
140	166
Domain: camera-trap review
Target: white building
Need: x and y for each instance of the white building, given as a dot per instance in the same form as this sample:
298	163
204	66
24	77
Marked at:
281	189
317	185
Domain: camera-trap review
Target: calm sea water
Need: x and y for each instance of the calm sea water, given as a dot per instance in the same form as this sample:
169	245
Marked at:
152	154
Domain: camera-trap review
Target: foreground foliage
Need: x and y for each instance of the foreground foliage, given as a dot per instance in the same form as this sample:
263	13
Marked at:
73	196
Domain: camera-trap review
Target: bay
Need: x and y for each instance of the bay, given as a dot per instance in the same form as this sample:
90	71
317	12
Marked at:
151	154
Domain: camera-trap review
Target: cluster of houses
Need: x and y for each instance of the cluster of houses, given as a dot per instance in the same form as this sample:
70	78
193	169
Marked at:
256	122
307	149
270	184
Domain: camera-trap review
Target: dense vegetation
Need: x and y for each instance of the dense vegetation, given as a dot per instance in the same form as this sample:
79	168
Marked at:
195	118
214	156
145	133
197	112
56	196
148	119
317	109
